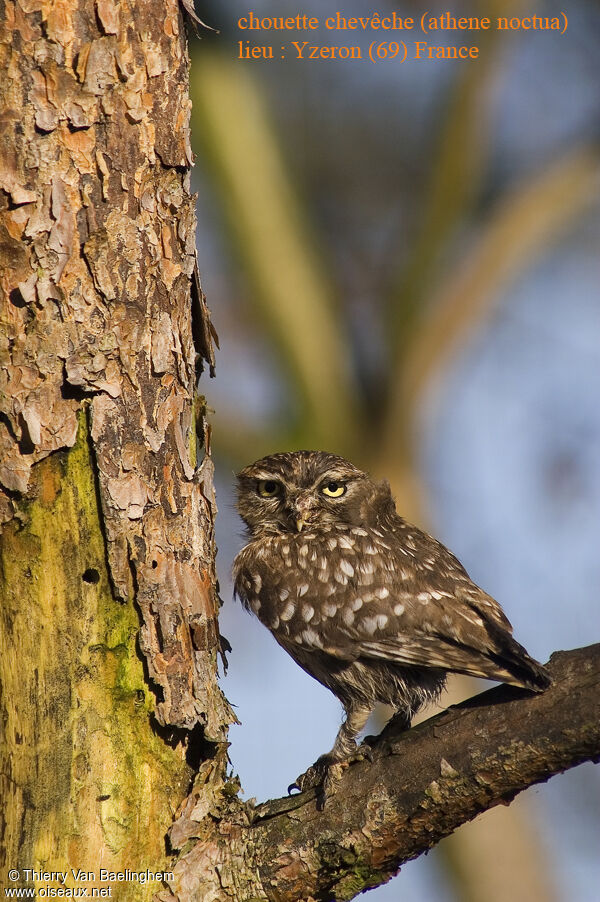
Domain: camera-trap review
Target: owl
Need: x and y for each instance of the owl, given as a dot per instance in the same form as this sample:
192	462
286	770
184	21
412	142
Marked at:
373	608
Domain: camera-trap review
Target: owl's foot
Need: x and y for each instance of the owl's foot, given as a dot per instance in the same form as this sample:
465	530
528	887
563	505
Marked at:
323	776
325	773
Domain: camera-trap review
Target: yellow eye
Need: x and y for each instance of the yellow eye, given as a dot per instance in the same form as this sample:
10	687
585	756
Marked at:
267	488
333	489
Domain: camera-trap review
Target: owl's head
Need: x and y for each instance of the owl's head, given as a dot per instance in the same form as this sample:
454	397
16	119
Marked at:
286	492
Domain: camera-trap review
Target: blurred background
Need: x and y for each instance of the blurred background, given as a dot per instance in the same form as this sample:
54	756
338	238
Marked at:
402	266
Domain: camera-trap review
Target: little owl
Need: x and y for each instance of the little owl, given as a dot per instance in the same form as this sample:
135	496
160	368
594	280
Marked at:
370	606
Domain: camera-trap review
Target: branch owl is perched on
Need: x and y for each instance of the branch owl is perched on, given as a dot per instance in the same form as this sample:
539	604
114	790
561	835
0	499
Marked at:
370	606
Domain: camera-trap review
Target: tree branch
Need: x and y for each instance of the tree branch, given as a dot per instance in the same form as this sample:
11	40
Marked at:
420	786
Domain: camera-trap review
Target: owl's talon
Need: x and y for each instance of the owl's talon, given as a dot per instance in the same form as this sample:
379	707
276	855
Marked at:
314	776
364	752
323	775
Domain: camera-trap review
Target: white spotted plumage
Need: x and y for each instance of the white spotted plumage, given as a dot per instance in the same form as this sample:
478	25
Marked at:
369	605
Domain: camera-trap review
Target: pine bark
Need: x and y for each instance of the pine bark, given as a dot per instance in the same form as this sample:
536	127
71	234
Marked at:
108	631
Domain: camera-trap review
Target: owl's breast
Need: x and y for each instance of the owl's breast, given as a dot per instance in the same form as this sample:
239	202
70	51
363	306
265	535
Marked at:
276	577
300	585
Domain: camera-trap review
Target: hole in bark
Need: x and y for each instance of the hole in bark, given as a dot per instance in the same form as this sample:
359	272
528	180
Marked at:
154	565
16	298
25	443
91	575
73	392
199	748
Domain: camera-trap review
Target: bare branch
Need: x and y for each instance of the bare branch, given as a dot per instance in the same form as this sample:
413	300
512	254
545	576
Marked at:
421	785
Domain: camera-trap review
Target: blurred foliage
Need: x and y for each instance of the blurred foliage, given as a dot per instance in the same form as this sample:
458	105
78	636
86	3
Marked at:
364	288
443	291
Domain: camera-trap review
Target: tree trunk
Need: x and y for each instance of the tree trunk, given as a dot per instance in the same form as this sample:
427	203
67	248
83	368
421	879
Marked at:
108	636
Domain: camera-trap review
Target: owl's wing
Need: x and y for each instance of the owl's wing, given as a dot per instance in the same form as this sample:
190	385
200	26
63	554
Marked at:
411	603
508	662
454	634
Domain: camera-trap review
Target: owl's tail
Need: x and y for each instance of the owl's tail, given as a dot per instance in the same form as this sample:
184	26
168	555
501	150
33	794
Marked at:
517	666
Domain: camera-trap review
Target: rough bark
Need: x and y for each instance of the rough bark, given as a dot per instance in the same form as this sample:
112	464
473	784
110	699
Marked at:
98	258
107	504
420	786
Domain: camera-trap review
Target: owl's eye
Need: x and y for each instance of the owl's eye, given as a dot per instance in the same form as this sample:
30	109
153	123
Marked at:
268	488
333	489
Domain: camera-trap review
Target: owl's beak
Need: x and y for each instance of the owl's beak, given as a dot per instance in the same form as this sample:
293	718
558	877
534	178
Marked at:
301	511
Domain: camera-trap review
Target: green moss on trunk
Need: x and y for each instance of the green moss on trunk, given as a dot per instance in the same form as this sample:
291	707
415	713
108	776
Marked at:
89	781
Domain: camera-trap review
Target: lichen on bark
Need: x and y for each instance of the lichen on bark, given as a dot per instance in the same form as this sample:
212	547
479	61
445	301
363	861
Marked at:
84	776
